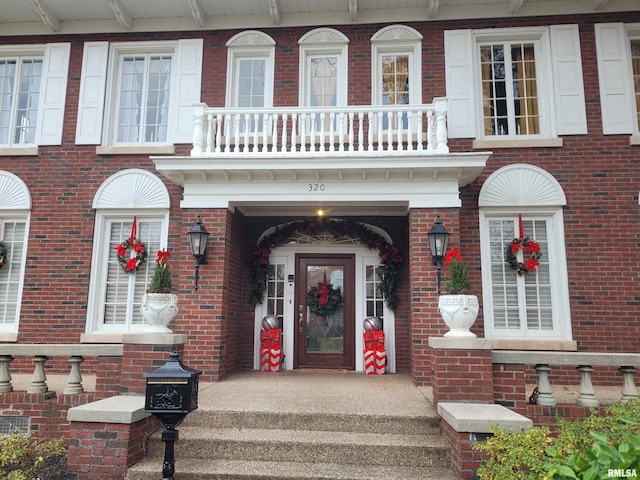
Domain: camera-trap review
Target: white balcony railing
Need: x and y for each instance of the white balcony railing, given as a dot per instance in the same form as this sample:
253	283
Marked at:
288	131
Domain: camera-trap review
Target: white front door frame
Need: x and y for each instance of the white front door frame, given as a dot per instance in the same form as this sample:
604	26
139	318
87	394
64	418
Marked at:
363	258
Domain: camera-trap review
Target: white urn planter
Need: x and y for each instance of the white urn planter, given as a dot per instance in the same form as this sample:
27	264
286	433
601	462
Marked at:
459	312
158	309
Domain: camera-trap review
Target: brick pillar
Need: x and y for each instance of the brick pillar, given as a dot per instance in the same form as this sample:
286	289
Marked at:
509	387
462	370
425	320
144	353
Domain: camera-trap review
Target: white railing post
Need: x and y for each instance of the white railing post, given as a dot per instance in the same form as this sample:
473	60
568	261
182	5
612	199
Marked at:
198	129
5	374
545	395
586	393
442	142
629	390
218	132
39	380
74	383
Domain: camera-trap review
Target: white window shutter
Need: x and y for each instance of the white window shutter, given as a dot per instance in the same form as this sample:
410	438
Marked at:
53	90
614	77
458	49
92	93
186	79
568	86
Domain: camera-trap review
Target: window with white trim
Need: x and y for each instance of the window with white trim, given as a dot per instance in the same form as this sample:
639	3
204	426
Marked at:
139	94
618	53
13	236
533	305
274	295
123	290
374	300
33	83
115	294
15	208
515	83
323	73
396	53
250	71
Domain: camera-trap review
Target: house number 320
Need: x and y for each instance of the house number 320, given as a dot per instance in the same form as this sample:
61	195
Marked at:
316	187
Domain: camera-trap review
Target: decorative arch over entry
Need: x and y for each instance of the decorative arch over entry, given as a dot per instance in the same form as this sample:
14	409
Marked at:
390	256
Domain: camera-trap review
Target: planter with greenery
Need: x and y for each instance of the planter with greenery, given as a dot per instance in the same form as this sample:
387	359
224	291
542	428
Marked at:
160	306
459	309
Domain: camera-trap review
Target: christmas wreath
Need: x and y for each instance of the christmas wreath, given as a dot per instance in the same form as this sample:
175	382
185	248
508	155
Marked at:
3	254
390	256
324	299
131	264
530	247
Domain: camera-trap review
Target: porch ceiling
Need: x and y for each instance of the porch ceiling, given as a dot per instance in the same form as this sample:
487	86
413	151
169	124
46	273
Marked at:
24	17
340	186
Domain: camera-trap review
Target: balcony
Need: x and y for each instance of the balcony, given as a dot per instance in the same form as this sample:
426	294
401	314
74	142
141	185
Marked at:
309	131
352	160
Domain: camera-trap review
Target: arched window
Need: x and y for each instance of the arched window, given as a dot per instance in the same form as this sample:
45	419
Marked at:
115	294
534	305
15	212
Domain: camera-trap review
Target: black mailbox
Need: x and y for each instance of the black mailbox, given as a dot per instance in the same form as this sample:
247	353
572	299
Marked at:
172	389
172	393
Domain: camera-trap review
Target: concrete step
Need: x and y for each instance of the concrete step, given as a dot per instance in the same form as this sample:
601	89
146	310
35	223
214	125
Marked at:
424	424
150	469
312	446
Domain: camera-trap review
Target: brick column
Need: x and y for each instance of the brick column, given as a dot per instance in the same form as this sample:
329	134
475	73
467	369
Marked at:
462	370
425	319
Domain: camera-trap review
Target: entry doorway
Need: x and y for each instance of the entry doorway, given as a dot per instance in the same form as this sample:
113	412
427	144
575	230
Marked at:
325	337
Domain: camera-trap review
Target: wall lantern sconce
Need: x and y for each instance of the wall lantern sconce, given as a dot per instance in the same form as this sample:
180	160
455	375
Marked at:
438	240
198	237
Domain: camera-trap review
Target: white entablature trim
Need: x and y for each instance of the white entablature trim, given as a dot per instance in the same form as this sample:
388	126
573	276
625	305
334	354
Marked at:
133	188
14	193
521	184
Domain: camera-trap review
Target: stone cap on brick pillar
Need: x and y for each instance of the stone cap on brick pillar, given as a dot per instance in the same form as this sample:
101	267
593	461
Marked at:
125	409
481	417
444	343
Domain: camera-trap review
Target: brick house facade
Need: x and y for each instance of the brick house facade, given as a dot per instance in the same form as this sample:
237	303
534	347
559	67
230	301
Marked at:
69	195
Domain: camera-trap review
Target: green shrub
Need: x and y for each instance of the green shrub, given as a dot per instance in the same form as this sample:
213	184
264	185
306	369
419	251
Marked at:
24	459
533	455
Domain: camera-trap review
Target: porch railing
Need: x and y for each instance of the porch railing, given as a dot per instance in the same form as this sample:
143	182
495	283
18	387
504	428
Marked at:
302	131
584	363
41	353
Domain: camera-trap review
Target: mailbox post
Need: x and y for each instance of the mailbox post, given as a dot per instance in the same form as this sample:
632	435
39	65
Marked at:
171	394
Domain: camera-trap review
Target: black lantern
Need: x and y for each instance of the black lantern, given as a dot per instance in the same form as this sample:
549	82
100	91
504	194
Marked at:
171	394
438	240
198	237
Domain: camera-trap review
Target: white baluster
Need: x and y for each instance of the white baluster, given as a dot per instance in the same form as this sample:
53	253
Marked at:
545	395
210	125
360	131
391	118
419	136
284	141
233	135
370	130
380	132
256	120
322	132
74	383
332	132
399	131
246	146
265	132
198	130
39	380
586	393
294	133
441	126
303	132
629	390
351	133
5	374
410	129
218	133
312	137
431	131
274	133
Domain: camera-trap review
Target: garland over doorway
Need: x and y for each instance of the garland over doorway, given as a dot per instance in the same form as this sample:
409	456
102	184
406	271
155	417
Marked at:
390	256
